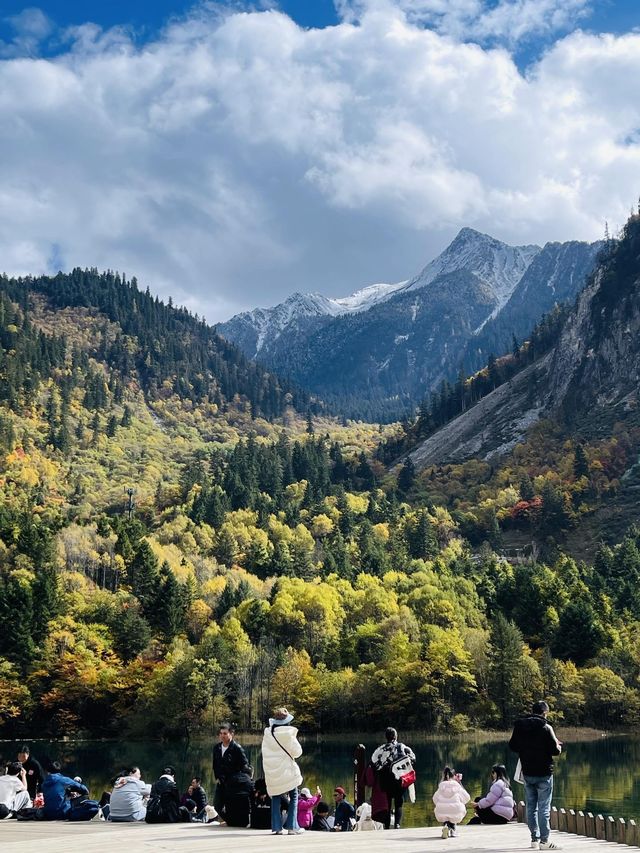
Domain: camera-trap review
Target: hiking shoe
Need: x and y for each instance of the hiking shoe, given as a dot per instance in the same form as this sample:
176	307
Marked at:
445	831
298	831
549	845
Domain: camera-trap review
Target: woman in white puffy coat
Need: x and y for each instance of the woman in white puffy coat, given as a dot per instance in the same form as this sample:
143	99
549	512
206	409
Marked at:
280	748
451	802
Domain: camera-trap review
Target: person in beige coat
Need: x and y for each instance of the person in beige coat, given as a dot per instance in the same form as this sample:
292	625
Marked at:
280	748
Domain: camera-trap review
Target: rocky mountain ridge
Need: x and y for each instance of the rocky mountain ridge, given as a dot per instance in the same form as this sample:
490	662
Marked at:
589	380
396	343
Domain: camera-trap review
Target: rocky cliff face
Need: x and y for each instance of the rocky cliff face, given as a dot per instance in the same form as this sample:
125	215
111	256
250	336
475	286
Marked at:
555	275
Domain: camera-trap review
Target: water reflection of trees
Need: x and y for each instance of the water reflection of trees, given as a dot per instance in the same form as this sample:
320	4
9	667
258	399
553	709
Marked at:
597	775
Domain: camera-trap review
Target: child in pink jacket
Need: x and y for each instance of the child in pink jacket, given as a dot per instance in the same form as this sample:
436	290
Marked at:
306	805
451	802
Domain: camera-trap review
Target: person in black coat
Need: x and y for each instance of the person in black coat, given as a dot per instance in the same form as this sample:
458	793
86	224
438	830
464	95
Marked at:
320	821
238	797
195	799
164	801
229	760
33	769
260	806
537	745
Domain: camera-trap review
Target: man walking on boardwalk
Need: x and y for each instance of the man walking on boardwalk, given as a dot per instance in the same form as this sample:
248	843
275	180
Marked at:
536	743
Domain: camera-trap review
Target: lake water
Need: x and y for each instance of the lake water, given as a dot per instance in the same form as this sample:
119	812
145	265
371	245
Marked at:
598	775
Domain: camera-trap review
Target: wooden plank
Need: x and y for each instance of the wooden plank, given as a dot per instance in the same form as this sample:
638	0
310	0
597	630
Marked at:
621	831
32	837
590	823
600	828
562	820
581	828
632	833
554	817
571	821
610	828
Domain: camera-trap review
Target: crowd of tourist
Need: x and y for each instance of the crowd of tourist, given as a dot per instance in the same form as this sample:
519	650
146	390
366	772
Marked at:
277	801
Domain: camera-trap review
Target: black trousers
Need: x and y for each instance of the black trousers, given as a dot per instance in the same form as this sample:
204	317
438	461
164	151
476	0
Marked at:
395	799
487	816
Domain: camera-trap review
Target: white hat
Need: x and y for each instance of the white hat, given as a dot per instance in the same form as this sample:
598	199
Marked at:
305	792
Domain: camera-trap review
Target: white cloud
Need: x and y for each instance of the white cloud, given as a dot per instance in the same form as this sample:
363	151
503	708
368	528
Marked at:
238	158
30	28
507	21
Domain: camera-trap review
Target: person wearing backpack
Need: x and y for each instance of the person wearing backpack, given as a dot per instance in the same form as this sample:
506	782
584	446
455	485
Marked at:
383	759
280	748
163	805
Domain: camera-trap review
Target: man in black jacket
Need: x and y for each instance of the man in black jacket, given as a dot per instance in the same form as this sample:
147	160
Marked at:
536	743
229	759
164	801
33	769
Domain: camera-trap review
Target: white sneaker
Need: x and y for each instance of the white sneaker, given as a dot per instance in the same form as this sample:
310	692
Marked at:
445	831
549	845
453	833
535	845
277	832
298	831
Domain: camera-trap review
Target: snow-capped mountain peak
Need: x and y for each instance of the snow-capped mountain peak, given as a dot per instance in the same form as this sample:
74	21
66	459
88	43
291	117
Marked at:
497	263
498	266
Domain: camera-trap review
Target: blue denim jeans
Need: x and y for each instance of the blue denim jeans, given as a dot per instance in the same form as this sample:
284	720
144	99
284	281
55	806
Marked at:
538	791
292	813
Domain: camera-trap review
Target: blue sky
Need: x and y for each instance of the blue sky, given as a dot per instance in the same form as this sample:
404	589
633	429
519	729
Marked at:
147	16
228	161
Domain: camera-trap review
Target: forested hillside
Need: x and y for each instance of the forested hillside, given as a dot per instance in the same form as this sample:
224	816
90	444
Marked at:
268	560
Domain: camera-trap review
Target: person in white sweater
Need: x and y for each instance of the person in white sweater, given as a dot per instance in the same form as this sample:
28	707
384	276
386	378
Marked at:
451	802
280	748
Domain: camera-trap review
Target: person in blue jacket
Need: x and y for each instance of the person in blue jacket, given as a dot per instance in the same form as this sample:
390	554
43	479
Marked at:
344	813
54	789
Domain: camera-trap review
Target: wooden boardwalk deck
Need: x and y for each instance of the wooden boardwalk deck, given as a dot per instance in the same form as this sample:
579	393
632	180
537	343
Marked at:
98	837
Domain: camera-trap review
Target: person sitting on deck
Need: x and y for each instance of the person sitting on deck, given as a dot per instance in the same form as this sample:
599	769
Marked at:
321	820
129	797
13	790
497	806
260	806
55	788
164	802
345	814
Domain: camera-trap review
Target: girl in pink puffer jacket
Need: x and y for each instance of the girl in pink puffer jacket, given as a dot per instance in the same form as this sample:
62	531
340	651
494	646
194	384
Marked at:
451	802
306	805
497	806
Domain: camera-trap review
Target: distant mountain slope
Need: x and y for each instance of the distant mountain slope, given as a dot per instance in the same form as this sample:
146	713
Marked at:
589	380
375	354
258	332
161	346
388	354
555	275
